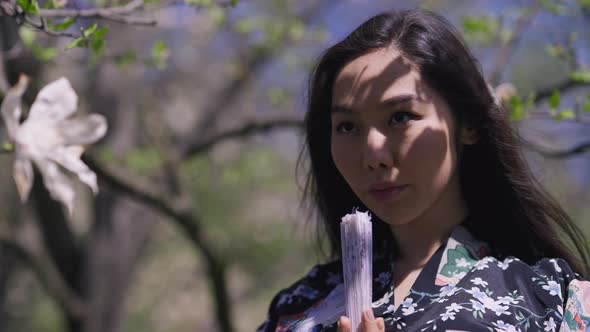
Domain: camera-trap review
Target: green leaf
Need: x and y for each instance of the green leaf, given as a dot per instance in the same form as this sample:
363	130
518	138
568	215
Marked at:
505	35
54	4
565	114
217	15
89	31
200	3
78	42
7	146
530	100
585	4
65	24
29	6
580	76
555	50
554	99
44	53
234	3
481	28
277	97
97	42
48	5
247	25
516	108
159	54
159	49
586	106
122	60
27	35
553	7
296	30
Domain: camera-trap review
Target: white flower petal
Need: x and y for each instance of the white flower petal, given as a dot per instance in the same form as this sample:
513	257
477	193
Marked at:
57	183
85	130
23	176
69	158
11	105
55	102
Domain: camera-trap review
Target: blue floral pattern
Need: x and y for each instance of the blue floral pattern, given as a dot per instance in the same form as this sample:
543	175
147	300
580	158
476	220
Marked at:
462	287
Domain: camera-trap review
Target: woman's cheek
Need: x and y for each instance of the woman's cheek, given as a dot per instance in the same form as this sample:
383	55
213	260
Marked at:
342	156
426	155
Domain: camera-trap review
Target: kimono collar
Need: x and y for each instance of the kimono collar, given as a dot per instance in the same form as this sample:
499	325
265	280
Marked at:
460	254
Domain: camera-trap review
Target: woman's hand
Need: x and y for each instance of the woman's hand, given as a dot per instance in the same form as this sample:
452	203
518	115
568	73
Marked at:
368	323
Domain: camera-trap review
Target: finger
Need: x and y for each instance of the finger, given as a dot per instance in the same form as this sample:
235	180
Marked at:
369	323
380	324
344	324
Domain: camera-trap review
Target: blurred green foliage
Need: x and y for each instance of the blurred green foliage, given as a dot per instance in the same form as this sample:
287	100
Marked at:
480	29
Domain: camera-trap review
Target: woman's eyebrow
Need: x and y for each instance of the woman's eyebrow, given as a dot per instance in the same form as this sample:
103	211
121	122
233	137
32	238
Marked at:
388	103
340	109
397	100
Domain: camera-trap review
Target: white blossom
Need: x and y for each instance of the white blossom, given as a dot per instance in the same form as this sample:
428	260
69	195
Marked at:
448	290
454	307
550	325
505	264
553	287
479	281
448	315
462	262
51	139
478	306
505	327
408	307
476	293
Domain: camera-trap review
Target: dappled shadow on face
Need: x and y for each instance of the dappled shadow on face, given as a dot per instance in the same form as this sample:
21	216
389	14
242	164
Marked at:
424	153
368	86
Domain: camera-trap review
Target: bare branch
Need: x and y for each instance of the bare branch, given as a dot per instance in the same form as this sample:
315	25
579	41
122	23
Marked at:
4	86
41	26
247	129
185	219
116	14
47	276
562	87
507	50
252	63
575	150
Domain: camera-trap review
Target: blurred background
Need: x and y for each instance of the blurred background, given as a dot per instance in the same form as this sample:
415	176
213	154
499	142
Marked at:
198	222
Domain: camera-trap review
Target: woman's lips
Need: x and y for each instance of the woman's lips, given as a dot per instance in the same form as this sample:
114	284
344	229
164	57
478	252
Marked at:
386	193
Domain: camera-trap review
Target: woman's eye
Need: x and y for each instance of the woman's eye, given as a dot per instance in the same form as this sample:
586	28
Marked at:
345	127
401	118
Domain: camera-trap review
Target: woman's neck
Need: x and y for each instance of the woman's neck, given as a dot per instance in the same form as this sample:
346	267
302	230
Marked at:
419	239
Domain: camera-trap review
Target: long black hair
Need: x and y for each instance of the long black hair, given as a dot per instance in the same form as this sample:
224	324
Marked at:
508	208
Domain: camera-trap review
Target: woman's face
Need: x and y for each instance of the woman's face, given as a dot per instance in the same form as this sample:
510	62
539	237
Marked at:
393	140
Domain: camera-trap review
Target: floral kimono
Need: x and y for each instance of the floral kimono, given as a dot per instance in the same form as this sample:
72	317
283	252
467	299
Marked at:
459	289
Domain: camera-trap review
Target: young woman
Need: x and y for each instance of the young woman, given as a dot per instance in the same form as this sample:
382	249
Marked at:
401	122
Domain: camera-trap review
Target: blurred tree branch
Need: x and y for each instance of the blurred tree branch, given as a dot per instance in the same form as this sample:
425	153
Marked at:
175	208
125	14
251	128
47	276
562	87
63	247
116	14
187	221
252	63
508	48
580	148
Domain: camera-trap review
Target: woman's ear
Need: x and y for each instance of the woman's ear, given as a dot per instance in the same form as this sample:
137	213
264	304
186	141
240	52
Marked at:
469	135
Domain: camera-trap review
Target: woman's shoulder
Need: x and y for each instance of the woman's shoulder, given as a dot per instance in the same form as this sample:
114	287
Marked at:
551	281
551	274
303	293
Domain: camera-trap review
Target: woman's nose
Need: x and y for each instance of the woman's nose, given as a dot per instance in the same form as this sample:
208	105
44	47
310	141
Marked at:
377	152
